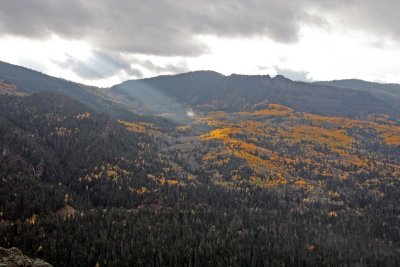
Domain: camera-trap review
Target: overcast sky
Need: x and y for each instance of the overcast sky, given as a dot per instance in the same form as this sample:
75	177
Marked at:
103	42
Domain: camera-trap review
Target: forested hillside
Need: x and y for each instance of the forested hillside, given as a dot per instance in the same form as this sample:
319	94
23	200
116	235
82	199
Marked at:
270	179
56	144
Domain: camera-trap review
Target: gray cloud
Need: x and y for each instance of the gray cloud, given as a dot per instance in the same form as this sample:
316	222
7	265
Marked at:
169	68
377	17
99	65
293	75
153	27
172	27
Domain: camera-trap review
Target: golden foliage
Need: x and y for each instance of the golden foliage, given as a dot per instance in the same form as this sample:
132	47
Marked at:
310	248
33	219
277	142
268	183
141	127
332	214
331	138
387	130
164	181
241	149
10	89
274	110
217	158
221	134
108	171
392	136
134	127
303	184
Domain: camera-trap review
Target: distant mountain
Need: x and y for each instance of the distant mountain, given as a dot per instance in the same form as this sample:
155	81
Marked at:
207	90
389	93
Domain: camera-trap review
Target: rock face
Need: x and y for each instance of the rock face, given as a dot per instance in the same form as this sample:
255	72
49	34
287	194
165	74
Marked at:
13	257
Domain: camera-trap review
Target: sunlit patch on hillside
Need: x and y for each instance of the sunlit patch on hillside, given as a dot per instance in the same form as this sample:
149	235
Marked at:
268	183
256	157
141	127
392	136
331	138
10	89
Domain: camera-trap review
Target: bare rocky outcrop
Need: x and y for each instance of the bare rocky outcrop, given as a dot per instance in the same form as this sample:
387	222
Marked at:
13	257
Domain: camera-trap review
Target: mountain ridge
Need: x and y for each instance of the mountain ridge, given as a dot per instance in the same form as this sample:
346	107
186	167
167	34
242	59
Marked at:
206	90
27	81
242	92
387	92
